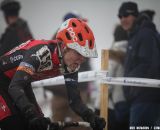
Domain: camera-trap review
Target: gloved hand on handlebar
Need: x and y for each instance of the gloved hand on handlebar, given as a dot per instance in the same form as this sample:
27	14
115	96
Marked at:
35	119
39	123
96	122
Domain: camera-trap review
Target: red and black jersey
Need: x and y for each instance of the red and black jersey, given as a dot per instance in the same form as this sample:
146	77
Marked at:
43	53
34	60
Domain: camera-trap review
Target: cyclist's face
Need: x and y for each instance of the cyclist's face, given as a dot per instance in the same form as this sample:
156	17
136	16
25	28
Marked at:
73	59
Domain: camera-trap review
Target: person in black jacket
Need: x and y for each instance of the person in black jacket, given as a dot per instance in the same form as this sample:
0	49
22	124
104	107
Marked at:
17	30
141	61
40	59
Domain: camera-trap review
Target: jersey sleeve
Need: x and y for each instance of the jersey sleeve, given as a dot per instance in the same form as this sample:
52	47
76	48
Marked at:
20	86
75	101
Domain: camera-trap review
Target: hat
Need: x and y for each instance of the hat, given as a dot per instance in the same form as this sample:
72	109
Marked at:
128	8
73	15
10	7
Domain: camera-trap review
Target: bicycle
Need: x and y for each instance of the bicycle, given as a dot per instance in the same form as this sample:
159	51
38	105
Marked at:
62	125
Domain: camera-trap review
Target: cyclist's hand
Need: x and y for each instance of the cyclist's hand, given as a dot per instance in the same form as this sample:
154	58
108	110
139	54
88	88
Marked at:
98	123
39	123
54	126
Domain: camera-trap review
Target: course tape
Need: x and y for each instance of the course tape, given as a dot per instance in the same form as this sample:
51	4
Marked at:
86	76
128	81
102	77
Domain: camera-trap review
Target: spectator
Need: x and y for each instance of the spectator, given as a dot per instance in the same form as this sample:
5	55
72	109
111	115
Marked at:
141	61
118	108
17	30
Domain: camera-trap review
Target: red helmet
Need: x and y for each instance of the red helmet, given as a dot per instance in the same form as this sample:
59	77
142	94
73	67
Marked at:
77	35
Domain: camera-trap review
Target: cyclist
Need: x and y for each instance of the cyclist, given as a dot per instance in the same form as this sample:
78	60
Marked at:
39	59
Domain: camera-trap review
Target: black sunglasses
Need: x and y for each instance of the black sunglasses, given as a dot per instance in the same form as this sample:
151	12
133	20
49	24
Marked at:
123	15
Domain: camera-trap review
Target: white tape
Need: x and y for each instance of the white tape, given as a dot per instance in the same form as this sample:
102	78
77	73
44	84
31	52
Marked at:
102	77
82	77
128	81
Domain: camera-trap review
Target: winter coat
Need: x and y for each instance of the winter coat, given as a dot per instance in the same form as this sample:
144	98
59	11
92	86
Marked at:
14	35
141	61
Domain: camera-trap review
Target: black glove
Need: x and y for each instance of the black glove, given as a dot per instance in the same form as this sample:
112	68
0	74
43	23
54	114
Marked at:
35	119
96	122
54	126
39	123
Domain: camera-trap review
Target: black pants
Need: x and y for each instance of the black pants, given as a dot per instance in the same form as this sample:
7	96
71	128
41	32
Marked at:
13	123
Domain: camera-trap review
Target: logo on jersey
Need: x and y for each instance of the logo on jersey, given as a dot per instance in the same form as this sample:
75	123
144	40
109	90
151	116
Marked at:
45	59
16	58
4	109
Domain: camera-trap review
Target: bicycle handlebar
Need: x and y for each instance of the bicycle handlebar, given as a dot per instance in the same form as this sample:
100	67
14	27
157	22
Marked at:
61	125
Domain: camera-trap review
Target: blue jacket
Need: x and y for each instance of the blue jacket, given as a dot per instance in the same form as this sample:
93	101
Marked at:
142	60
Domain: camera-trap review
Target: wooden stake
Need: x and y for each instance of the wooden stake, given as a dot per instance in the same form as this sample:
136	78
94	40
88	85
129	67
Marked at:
104	88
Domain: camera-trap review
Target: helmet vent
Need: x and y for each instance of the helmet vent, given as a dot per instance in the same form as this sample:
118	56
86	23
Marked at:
68	36
80	37
74	25
87	29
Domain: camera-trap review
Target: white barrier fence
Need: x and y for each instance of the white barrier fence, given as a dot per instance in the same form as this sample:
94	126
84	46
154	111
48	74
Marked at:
82	77
125	81
102	77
